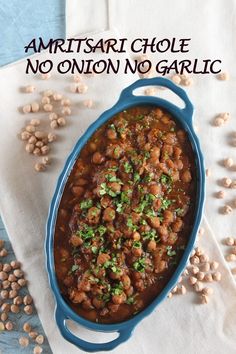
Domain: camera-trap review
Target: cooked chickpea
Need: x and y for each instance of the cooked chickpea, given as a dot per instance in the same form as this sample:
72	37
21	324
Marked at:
186	176
98	158
111	134
151	246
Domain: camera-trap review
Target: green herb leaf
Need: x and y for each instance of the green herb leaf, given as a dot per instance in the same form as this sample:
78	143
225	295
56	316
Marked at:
140	265
170	252
74	268
86	204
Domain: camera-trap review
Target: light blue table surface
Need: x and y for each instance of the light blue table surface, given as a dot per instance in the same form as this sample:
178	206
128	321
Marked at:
20	21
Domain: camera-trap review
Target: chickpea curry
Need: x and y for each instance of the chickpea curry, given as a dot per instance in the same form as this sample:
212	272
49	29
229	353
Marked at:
125	215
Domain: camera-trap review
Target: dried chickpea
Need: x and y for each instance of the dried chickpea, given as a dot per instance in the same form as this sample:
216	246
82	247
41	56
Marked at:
17	300
182	290
3	252
1	244
34	107
65	102
224	76
233	184
26	108
192	280
32	140
208	278
45	76
214	265
4	316
6	284
27	327
12	294
15	264
170	295
73	88
25	135
29	89
45	149
176	79
47	93
51	137
66	111
37	349
4	294
208	172
28	309
30	128
230	257
204	299
228	162
205	267
82	88
22	282
226	209
48	107
29	148
218	122
39	339
194	269
9	326
216	276
61	122
88	103
194	260
39	167
18	273
54	124
220	194
2	326
15	285
225	116
45	100
229	241
24	341
204	258
3	276
57	96
174	290
226	182
27	300
33	334
46	160
187	82
198	286
207	291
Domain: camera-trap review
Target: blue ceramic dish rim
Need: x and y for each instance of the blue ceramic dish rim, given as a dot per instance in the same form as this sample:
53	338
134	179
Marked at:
126	100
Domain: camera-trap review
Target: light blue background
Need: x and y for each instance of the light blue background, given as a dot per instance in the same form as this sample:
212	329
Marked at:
22	20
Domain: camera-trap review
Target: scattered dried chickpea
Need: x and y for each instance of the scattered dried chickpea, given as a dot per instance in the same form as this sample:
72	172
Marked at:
77	78
82	88
228	162
2	326
65	102
35	122
37	349
229	241
29	89
205	267
61	121
6	284
204	299
194	269
216	276
4	316
208	277
200	275
9	326
176	79
208	172
198	286
220	194
57	96
45	76
45	100
223	76
170	295
18	273
207	291
225	116
46	160
28	309
25	135
230	257
187	81
174	290
204	258
24	341
214	265
34	107
15	286
54	124
27	327
226	209
182	290
33	334
66	111
226	182
48	93
51	137
192	280
48	107
26	108
39	167
22	282
39	339
88	103
3	252
218	121
73	88
194	260
29	148
233	184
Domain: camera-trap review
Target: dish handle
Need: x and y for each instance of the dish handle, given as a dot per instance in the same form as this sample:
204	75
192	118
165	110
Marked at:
187	111
124	335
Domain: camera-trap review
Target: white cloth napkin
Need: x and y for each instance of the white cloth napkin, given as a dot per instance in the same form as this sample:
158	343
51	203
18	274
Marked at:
178	325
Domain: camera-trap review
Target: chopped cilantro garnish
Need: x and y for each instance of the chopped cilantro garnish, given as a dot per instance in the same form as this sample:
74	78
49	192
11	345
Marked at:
74	268
86	204
137	244
165	203
165	179
139	117
140	264
94	249
130	300
136	177
131	225
170	252
179	211
111	126
86	233
101	230
128	167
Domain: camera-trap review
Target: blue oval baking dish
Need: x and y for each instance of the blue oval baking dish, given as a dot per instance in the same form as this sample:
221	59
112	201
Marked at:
184	117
